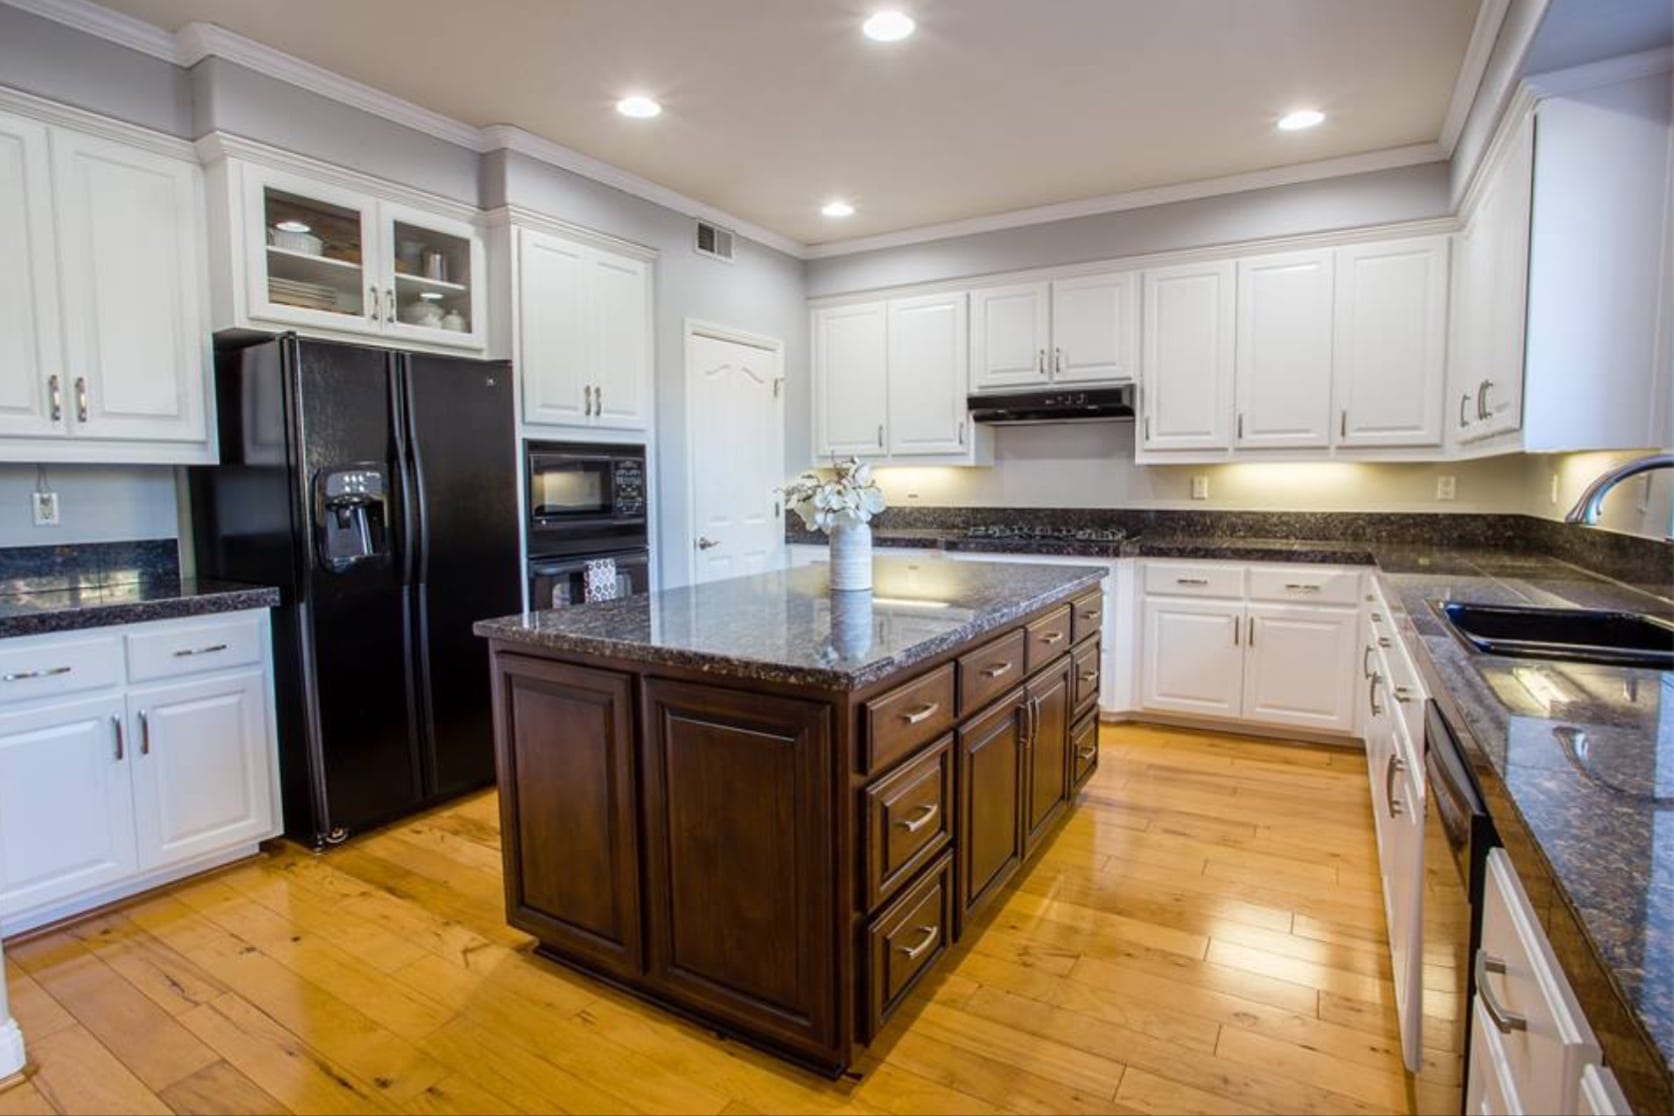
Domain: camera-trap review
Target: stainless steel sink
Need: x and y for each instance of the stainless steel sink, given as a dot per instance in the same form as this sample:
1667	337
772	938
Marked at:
1572	634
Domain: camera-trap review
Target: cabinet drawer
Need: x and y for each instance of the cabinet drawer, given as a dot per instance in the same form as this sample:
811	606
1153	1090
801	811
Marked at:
1518	978
908	716
171	650
906	940
990	670
52	665
1085	681
1304	586
1084	748
1088	616
1193	579
908	820
1049	637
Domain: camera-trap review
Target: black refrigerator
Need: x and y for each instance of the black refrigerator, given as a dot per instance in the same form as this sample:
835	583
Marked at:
378	490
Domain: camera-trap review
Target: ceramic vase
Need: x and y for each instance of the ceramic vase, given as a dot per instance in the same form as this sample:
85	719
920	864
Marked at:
851	556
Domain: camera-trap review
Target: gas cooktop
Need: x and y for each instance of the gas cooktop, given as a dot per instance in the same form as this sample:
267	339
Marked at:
1047	534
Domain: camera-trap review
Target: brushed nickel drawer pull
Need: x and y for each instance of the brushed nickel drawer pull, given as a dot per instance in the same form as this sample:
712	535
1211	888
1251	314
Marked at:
995	670
186	652
1506	1021
922	713
1403	694
1086	753
1089	676
1191	581
44	672
1383	641
81	399
116	726
1394	767
1366	661
145	733
1052	637
917	822
1302	586
1090	614
57	394
1372	694
931	933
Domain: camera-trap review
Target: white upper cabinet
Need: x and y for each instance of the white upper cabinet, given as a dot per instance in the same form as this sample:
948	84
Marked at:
1188	356
1010	336
928	375
1284	350
31	369
1095	329
434	278
1390	342
851	380
583	338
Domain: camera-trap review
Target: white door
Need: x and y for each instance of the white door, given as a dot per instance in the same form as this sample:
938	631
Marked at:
1193	656
1187	341
31	370
201	773
1403	863
429	258
851	378
1391	342
1095	329
1299	666
312	256
132	270
66	807
1009	330
620	307
929	374
1284	350
1467	331
736	457
554	350
1500	395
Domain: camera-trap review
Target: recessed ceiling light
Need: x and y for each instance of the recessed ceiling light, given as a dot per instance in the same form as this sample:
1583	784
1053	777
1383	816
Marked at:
292	227
1300	119
837	209
888	26
638	107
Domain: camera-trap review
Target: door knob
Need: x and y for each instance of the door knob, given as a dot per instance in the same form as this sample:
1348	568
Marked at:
706	543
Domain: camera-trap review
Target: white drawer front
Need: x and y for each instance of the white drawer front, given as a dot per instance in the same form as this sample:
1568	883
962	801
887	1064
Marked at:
1193	579
175	648
1304	585
1601	1095
46	665
1544	1036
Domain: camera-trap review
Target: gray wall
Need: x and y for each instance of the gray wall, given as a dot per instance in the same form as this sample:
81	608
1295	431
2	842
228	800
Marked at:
60	63
1378	197
96	503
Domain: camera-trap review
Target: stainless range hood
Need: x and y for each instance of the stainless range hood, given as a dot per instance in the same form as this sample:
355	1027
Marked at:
1114	404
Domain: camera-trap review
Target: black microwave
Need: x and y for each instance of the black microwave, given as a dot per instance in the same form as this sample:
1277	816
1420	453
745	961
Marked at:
584	496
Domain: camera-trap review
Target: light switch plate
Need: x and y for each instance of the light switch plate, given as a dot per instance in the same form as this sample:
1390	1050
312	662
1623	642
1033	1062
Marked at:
1200	487
44	507
1447	486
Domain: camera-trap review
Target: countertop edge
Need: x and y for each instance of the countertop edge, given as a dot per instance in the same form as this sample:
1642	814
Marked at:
96	615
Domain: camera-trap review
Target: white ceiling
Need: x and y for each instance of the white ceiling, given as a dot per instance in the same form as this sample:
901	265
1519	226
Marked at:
772	107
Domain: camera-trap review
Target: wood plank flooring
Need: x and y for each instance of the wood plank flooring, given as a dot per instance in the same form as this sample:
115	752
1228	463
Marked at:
1204	934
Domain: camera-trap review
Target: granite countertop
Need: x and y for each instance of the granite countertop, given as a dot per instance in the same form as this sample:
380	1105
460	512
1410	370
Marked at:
788	627
39	611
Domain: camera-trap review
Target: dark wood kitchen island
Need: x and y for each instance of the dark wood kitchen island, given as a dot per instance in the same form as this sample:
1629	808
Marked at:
773	808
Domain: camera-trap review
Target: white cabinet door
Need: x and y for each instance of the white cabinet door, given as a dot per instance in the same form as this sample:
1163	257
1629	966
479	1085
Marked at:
620	309
311	254
1009	331
1095	329
430	258
1188	356
132	271
851	380
202	779
1402	862
1500	396
1300	666
1467	332
1193	656
554	338
928	374
1391	342
31	369
1284	350
66	808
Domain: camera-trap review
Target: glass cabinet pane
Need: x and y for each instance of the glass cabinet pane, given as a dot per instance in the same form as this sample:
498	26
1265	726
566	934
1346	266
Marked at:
314	253
432	279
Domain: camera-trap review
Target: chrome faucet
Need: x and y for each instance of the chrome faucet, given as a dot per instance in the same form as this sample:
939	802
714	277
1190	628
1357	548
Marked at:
1587	509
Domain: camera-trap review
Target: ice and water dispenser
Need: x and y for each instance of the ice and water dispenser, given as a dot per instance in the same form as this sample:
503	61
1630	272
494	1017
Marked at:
351	511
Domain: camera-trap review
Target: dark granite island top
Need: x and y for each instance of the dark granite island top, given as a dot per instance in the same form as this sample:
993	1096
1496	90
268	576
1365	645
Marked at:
787	626
42	611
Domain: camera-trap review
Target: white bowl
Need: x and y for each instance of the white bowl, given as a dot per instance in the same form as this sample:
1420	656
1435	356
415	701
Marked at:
305	242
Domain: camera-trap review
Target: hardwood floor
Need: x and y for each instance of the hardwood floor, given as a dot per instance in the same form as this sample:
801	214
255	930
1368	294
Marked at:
1204	934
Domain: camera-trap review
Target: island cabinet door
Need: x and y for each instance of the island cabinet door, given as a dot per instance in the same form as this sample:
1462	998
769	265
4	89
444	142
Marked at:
990	801
567	817
741	888
1046	757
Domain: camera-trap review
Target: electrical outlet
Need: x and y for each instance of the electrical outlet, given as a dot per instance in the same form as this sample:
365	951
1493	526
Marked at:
1554	496
44	507
1447	486
1200	487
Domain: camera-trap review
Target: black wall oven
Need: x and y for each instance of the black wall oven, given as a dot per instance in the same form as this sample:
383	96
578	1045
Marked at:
585	502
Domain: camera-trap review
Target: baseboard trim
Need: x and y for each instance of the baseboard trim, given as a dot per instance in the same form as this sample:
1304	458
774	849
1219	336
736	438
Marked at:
1275	733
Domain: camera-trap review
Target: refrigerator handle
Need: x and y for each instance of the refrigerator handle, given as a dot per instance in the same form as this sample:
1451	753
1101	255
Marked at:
402	471
415	471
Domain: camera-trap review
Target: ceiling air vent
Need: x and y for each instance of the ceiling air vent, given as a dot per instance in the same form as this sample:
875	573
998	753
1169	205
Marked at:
714	241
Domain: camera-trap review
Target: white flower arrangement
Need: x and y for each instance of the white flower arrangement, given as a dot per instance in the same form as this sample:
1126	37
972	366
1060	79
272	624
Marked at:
851	497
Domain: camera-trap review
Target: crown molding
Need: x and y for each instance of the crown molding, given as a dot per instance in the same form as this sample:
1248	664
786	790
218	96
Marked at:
102	22
1139	199
1490	17
518	217
92	123
1608	71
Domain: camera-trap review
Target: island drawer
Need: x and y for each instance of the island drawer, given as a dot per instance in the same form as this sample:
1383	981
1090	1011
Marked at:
908	820
906	940
1087	615
1084	748
1086	671
908	716
990	670
1049	637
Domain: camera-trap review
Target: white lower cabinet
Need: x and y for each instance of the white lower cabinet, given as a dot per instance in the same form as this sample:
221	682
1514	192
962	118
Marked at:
123	787
1193	658
1299	666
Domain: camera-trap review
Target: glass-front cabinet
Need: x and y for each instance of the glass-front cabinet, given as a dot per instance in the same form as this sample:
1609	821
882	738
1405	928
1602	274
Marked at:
322	258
